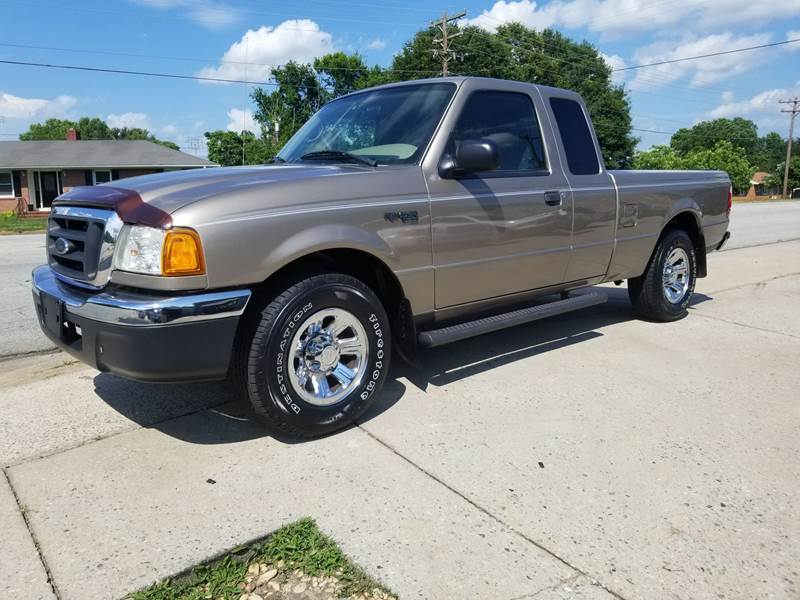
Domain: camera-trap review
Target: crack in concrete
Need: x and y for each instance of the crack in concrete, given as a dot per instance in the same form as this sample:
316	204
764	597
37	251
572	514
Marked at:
23	513
756	328
565	581
752	284
486	512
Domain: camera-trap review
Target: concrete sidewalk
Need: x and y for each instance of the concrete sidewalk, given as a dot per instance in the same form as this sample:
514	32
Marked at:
588	456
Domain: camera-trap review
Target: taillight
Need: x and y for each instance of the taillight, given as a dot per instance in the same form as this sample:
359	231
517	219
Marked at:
730	201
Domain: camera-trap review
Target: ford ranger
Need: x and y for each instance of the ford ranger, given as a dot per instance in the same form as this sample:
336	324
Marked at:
397	218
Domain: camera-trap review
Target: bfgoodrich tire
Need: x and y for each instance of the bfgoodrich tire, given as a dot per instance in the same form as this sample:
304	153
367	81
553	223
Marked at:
317	357
664	290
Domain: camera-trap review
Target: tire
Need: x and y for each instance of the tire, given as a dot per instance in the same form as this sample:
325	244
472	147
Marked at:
652	297
287	386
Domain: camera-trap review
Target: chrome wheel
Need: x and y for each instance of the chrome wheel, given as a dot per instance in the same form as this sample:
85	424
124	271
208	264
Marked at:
328	357
676	275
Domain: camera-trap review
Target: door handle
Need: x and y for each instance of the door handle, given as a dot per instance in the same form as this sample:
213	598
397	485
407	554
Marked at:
553	198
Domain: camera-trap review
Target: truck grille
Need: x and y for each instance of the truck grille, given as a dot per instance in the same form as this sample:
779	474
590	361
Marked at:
80	243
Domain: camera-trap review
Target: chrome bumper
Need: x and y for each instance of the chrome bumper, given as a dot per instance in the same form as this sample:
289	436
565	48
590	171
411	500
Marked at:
129	308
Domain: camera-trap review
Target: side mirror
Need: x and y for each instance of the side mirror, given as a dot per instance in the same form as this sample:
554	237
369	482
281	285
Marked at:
471	156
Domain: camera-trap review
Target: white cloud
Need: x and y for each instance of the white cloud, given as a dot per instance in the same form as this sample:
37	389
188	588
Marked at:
613	18
212	15
242	120
253	57
763	108
377	44
793	35
129	119
16	107
700	72
169	130
524	11
615	61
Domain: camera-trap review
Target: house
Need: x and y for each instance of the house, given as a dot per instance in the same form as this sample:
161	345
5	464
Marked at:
33	173
759	187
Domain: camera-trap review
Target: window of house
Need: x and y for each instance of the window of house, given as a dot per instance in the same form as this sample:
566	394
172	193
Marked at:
509	120
576	137
6	183
102	177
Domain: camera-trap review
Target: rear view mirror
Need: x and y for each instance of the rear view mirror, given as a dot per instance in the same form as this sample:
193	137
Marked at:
471	156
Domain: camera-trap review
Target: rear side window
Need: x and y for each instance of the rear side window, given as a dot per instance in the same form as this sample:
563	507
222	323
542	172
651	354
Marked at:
509	120
575	136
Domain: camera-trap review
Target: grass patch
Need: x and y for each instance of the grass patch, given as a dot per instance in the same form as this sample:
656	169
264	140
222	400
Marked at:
11	223
297	546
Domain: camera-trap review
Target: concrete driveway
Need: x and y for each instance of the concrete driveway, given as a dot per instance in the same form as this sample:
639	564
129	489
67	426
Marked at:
590	456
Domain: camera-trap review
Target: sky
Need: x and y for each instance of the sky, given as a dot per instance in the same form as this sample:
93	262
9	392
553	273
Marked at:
243	39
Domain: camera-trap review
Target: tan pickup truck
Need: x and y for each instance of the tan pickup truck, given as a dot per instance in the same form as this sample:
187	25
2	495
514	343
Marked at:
400	217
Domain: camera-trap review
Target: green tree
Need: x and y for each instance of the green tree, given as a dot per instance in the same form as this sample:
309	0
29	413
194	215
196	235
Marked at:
51	129
545	57
658	157
722	157
776	178
341	73
227	148
89	128
298	95
772	151
706	134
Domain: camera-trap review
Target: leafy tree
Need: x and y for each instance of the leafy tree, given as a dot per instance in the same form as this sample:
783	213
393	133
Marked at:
298	95
89	128
658	157
776	178
51	129
722	157
341	73
517	52
772	151
705	135
228	147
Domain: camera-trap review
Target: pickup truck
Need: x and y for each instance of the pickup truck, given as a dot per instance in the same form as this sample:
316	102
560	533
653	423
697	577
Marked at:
397	218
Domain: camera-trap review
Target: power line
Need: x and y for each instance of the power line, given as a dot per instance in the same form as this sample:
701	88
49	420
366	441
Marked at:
710	55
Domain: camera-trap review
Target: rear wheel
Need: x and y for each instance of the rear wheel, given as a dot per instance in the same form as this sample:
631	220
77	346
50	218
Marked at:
664	290
317	357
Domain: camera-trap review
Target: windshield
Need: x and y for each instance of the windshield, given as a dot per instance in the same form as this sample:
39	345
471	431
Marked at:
388	126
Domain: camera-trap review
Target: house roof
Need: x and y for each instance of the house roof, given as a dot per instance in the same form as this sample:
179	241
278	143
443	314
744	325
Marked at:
758	177
91	154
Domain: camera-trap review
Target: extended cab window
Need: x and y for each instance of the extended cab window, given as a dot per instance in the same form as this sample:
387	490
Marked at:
575	137
509	120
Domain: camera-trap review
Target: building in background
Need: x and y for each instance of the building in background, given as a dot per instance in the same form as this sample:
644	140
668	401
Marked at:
33	173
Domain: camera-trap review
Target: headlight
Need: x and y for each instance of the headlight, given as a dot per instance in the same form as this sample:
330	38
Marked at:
153	251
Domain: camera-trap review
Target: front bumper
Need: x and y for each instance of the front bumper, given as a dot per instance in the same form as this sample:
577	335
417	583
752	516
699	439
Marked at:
148	337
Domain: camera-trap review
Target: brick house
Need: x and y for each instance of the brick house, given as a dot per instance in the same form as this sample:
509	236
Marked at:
33	173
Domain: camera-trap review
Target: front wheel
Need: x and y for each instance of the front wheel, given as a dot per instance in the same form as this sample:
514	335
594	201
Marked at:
317	357
664	290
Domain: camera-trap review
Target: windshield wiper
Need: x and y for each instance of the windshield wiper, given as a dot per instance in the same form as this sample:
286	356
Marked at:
276	159
338	155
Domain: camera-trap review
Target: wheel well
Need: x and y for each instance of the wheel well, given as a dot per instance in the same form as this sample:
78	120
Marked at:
356	263
687	222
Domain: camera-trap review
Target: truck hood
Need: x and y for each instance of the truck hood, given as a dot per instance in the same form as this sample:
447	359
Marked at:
199	195
174	190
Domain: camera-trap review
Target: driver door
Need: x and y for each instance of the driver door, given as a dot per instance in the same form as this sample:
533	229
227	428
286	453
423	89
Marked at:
505	231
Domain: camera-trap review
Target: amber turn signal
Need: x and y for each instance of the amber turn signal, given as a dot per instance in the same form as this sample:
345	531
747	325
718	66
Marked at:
182	253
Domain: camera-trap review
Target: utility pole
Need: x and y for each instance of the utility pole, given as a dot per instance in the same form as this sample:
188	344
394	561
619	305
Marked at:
443	52
795	102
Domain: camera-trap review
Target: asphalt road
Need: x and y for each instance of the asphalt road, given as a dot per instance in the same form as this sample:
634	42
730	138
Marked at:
751	224
591	456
